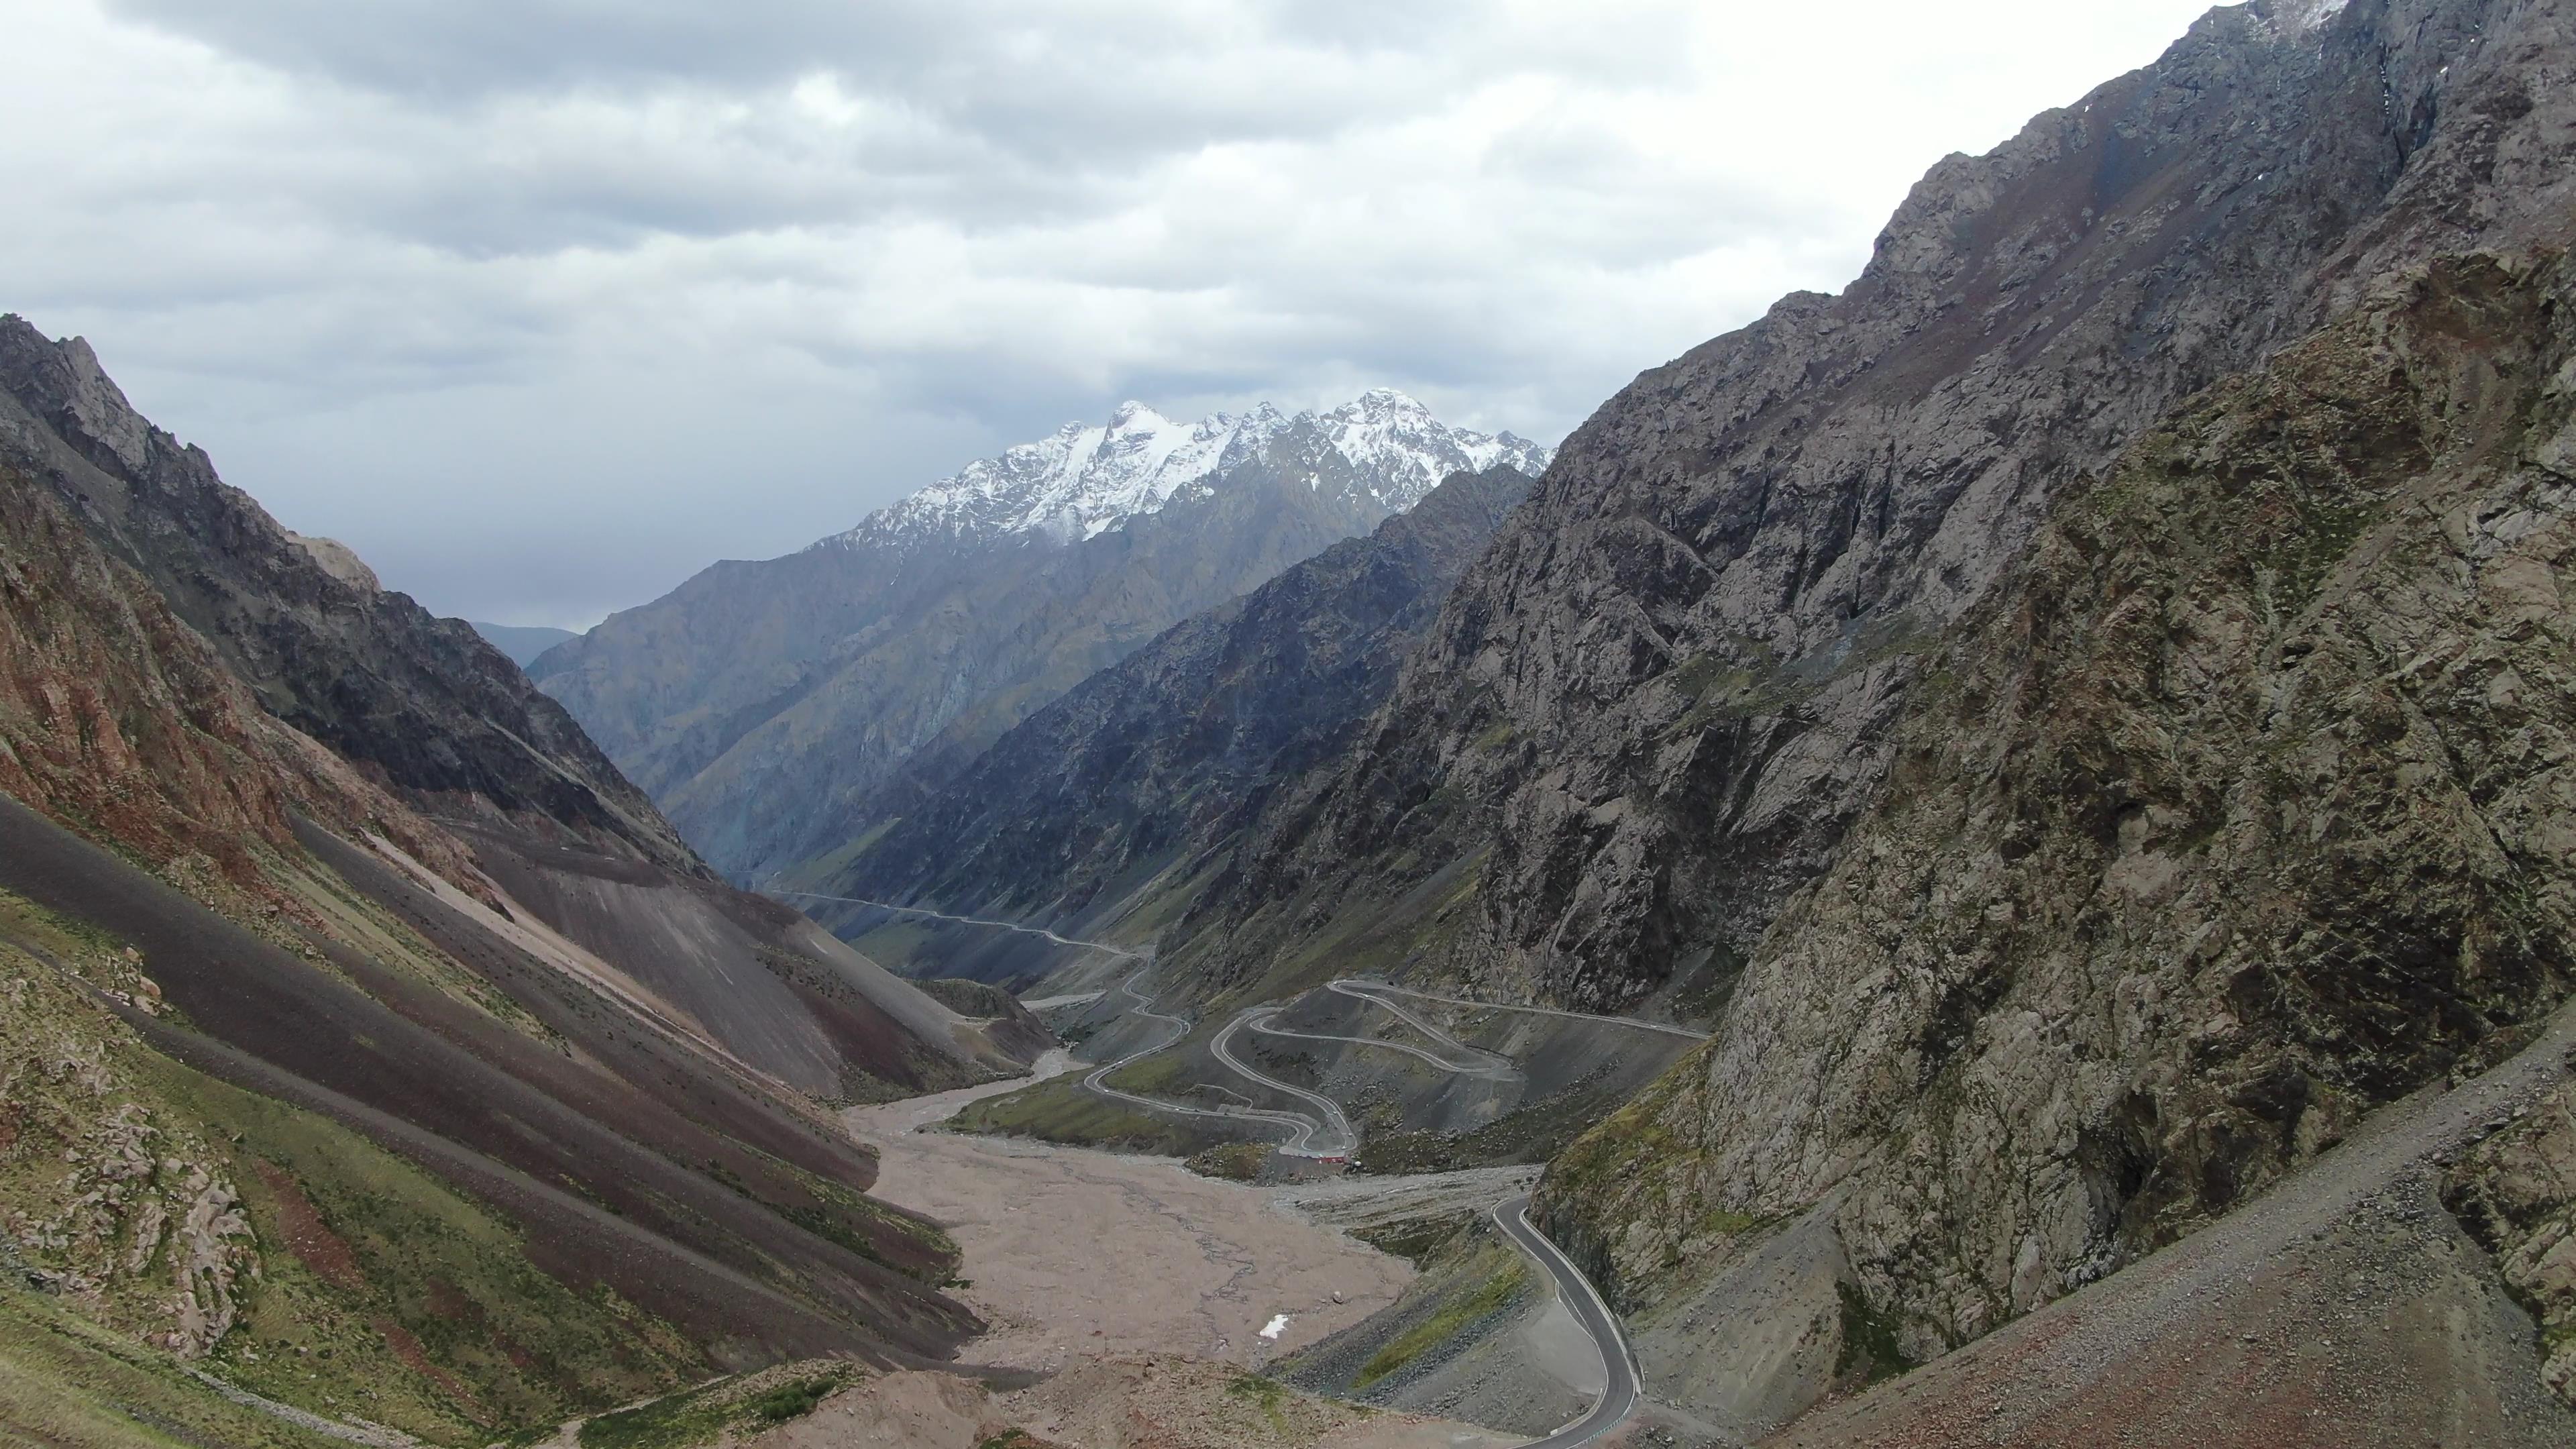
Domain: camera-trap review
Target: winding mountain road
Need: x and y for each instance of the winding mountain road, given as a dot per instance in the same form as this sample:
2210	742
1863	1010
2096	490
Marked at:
1488	1066
1335	1129
1302	1130
1619	1391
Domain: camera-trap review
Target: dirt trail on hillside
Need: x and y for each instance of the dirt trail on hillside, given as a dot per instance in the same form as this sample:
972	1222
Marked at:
1072	1253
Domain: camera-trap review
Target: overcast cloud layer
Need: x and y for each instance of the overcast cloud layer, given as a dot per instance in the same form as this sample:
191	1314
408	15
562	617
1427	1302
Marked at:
544	304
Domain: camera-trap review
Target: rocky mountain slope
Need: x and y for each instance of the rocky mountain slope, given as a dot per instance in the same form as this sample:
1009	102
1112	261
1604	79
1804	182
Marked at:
2237	813
767	705
1647	716
423	703
426	1079
1129	784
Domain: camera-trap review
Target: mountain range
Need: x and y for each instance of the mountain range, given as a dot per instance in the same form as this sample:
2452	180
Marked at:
2072	715
780	710
2002	836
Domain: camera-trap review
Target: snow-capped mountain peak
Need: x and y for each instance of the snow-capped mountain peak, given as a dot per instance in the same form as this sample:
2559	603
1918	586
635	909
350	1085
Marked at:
1086	479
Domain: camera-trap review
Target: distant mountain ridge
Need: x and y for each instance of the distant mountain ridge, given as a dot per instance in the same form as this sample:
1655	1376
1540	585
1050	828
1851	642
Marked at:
522	642
779	711
1147	770
1083	480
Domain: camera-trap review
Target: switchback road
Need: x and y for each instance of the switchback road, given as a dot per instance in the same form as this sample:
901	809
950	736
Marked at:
1302	1130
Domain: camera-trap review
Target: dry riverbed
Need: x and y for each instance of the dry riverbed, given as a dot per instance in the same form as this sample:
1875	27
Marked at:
1075	1254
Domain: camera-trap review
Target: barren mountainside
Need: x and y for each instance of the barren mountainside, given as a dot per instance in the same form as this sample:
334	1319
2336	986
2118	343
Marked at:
2236	814
1644	719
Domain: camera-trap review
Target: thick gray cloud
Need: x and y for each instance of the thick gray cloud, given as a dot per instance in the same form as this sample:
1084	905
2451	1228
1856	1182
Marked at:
543	304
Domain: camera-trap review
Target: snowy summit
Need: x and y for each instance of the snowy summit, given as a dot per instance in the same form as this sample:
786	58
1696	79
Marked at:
1088	479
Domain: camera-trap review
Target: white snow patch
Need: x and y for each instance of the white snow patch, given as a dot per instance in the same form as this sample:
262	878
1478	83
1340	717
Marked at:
1277	1325
1086	480
2314	13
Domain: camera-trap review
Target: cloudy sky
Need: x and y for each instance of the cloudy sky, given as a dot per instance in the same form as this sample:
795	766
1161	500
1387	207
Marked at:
544	304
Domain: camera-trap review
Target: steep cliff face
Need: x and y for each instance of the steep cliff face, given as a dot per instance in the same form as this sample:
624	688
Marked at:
766	705
1648	715
424	704
1150	765
2239	811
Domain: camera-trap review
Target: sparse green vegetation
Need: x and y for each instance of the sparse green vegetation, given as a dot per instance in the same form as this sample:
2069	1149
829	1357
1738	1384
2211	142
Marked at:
747	1404
967	998
1234	1161
65	1380
1158	1074
1061	1111
1532	1133
1495	1294
357	1285
1265	1393
1869	1349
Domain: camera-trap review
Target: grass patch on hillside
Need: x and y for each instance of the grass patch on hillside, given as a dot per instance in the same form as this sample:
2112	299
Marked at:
738	1406
1492	1296
1060	1111
67	1381
1265	1394
1233	1162
379	1292
515	1346
1156	1075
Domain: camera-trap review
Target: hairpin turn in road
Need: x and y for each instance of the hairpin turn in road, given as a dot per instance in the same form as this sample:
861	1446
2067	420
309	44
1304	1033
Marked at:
1619	1390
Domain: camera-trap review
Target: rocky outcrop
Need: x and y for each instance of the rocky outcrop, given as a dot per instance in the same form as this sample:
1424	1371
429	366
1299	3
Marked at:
2236	814
422	704
1645	719
2516	1193
781	710
1165	756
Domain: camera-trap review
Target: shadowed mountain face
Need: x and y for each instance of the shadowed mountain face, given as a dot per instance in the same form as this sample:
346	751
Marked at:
1645	718
424	702
446	986
769	706
1125	787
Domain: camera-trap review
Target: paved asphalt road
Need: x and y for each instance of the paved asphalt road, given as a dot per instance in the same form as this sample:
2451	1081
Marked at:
1333	1136
1302	1130
1619	1381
